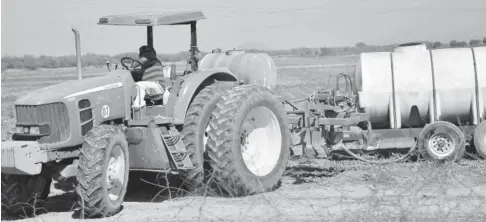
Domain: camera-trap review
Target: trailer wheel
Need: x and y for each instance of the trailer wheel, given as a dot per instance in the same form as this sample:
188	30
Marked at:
442	141
194	134
25	195
249	141
480	139
103	171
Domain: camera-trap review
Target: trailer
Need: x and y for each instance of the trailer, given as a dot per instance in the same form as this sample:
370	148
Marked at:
411	98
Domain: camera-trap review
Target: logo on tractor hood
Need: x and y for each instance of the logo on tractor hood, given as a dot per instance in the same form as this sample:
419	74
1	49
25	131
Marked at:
97	89
105	111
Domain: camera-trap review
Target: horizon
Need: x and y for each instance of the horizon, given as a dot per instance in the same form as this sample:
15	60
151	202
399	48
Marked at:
291	25
268	50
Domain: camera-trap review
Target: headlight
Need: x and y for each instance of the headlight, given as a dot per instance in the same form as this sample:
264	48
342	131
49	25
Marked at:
19	129
34	130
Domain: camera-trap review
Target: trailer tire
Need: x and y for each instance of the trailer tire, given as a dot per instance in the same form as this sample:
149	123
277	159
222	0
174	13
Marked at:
438	135
100	148
25	195
194	132
480	139
231	172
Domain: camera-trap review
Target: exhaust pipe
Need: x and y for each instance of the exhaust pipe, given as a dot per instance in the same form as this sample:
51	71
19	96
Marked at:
78	52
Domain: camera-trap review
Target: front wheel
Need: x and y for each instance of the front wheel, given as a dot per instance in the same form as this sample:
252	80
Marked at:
442	141
103	171
249	141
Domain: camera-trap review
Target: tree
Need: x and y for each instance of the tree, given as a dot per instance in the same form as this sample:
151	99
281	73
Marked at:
437	45
484	40
30	62
474	42
462	44
360	44
453	44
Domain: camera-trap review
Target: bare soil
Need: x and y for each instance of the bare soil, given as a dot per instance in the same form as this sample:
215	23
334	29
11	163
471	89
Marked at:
316	190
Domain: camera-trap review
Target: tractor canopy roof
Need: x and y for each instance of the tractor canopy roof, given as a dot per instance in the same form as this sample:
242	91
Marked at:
152	18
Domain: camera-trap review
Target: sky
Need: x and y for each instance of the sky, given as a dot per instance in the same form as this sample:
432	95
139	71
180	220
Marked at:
43	27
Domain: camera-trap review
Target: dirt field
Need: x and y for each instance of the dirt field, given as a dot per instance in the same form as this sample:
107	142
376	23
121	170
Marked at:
319	190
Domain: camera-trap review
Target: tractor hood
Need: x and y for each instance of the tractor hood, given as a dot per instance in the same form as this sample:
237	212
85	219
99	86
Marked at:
68	91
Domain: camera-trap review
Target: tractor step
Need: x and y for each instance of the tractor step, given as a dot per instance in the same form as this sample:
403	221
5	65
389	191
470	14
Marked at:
176	149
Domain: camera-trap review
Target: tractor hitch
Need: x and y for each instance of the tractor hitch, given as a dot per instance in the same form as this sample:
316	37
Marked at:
27	157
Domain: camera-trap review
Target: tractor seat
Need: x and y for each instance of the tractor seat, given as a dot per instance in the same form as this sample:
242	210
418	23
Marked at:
168	73
154	95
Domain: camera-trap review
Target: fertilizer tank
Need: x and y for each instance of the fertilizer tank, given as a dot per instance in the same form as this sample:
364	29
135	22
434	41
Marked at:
413	86
250	67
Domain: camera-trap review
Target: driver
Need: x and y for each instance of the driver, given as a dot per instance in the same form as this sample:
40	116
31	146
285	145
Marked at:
147	78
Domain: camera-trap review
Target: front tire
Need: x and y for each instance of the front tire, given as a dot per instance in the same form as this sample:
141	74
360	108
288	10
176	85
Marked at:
251	115
25	195
103	171
442	141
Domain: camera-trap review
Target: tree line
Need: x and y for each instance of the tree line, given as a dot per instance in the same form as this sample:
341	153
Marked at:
362	47
31	63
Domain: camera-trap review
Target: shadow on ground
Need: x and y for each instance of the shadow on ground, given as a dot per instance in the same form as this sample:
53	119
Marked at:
146	187
142	187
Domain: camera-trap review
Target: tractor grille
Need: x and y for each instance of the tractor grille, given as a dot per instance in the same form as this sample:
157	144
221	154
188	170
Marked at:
55	115
8	158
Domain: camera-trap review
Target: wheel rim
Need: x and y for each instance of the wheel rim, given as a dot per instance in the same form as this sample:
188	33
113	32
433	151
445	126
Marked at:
261	141
441	144
115	173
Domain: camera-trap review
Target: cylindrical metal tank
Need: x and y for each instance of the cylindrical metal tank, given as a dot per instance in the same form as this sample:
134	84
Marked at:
412	86
250	67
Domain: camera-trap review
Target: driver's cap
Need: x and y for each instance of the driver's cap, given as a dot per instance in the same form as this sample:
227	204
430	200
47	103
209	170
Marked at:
147	52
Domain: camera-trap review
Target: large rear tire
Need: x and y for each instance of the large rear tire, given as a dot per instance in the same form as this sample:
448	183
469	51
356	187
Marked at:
480	139
248	141
442	140
194	135
103	171
25	195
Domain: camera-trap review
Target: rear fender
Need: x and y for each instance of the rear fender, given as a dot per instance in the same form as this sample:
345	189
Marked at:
186	87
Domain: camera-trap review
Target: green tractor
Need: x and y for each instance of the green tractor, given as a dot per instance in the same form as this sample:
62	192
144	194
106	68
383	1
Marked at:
219	121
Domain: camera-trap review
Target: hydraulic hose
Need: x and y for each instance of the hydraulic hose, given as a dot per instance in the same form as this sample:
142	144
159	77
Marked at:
381	162
470	155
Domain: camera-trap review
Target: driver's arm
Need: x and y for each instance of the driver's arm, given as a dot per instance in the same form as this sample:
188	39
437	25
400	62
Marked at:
137	75
135	65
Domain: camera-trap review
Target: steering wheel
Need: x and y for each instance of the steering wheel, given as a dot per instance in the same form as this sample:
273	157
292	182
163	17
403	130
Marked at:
129	65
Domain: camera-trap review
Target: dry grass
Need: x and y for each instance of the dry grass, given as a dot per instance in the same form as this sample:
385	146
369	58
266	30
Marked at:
319	190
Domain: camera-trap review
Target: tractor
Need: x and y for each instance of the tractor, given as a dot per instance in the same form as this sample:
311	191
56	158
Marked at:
219	120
